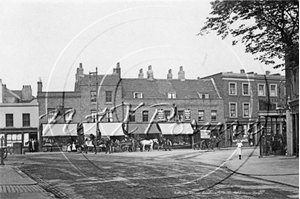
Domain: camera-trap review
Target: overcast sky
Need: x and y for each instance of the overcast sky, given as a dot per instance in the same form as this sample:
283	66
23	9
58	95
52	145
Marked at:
49	38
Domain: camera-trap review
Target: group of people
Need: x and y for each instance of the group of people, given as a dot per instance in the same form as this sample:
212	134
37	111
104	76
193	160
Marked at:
32	145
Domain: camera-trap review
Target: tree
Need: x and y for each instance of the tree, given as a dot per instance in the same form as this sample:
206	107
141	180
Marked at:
269	29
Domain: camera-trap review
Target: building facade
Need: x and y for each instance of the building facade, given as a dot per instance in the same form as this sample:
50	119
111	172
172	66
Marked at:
252	101
193	100
18	117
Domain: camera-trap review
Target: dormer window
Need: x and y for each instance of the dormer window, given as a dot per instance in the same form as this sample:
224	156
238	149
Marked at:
203	95
137	95
171	95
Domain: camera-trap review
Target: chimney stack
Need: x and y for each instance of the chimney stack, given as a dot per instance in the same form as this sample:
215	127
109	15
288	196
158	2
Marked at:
170	75
118	69
242	71
26	93
268	72
150	75
181	74
141	74
79	72
39	85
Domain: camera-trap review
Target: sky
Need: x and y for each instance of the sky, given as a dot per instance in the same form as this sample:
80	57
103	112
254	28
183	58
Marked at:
47	39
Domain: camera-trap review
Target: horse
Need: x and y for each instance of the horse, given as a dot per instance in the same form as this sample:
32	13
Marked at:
150	142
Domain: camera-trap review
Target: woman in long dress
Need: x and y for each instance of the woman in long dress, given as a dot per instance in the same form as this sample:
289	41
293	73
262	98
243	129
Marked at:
239	148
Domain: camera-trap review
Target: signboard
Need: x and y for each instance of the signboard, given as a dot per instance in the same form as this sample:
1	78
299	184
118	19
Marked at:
205	134
161	114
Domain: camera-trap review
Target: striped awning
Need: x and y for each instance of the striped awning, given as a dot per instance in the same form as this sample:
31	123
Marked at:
176	128
106	129
142	128
59	130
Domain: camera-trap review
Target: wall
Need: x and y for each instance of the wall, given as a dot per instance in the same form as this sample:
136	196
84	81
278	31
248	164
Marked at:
17	110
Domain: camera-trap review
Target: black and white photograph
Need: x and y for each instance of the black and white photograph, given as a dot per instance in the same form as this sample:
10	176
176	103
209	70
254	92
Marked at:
152	99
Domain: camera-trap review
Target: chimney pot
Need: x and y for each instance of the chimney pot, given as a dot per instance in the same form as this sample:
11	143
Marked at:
268	72
242	71
181	74
150	75
170	75
141	74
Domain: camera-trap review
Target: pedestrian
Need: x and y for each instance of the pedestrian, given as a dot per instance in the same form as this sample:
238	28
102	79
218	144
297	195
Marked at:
73	147
30	145
69	147
107	147
85	146
33	145
239	145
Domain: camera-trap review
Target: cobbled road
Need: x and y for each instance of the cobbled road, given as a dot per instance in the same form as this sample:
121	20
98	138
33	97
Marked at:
157	174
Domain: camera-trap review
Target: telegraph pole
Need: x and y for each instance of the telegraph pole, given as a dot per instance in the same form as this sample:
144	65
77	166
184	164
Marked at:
97	109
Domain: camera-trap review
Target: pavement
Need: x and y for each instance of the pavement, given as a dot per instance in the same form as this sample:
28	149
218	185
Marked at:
280	169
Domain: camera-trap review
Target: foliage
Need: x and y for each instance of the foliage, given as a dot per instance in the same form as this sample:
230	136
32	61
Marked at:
269	29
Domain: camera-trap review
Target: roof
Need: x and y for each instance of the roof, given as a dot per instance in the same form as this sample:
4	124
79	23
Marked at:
59	94
9	93
158	88
249	75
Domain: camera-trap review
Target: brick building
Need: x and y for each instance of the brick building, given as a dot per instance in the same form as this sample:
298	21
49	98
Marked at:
116	99
18	117
251	99
195	100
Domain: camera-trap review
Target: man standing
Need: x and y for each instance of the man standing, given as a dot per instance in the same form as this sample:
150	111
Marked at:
239	149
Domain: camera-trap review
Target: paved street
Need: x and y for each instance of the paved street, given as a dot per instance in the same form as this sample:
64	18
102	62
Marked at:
158	174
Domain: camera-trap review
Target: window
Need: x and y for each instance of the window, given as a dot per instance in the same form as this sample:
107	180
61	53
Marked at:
167	114
93	96
161	115
171	95
131	117
264	105
246	89
51	113
200	115
9	120
108	96
246	110
232	109
187	115
273	89
232	88
261	90
109	116
213	115
26	119
203	95
94	115
13	138
145	116
180	115
137	95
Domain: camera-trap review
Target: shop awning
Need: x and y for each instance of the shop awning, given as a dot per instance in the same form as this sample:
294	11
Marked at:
59	130
106	129
176	128
142	128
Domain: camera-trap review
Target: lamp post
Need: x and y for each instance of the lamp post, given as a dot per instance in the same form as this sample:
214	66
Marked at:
97	109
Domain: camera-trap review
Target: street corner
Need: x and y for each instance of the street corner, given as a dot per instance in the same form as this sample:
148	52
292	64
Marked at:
13	176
